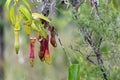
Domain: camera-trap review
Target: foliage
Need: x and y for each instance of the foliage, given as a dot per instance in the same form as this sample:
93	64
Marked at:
74	72
22	15
97	32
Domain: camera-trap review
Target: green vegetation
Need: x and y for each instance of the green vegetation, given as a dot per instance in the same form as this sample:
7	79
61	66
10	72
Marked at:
87	36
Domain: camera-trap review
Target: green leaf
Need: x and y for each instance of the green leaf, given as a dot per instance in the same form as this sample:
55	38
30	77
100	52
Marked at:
26	3
38	27
34	26
41	29
12	14
25	14
74	72
40	16
7	3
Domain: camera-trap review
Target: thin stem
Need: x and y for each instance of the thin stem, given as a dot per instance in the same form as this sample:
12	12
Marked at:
88	58
69	59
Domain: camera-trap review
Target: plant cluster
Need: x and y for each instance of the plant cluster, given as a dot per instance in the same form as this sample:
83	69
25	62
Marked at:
37	22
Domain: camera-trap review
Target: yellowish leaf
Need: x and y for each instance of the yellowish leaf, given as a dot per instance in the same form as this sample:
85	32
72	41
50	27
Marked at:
12	14
17	24
25	13
7	3
26	3
40	16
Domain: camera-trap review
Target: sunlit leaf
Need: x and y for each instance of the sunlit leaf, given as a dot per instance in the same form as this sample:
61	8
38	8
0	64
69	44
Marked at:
37	15
37	26
34	26
26	3
25	13
12	14
7	3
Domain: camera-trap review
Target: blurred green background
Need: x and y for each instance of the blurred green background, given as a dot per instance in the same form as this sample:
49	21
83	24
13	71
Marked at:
17	67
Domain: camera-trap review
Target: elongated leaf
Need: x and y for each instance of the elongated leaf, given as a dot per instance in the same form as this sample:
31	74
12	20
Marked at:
26	3
34	26
7	3
36	15
12	14
25	13
42	30
38	27
74	72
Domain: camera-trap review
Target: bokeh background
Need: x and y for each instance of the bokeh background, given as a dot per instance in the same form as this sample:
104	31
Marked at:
17	67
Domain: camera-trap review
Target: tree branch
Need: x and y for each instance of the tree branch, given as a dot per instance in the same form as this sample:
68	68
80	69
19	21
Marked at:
96	50
88	58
